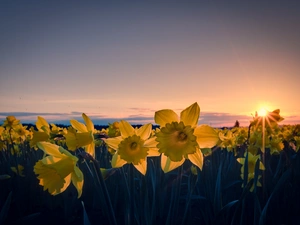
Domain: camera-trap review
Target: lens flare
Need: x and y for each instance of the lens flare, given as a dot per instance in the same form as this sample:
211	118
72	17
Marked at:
262	112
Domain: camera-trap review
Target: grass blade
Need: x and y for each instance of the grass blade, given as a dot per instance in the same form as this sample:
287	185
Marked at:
5	208
86	220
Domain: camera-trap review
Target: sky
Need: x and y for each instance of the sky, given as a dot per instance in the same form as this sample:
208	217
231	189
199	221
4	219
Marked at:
116	60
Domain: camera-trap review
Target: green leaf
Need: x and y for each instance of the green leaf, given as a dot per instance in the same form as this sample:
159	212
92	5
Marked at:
246	170
278	186
218	196
86	220
5	208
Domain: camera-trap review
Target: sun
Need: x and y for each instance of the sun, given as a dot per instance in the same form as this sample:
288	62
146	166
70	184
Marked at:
262	112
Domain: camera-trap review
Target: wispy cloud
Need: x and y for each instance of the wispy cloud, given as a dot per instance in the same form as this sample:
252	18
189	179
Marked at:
214	119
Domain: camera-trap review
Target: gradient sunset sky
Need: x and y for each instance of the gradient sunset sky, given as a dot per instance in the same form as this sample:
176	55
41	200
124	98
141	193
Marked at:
125	60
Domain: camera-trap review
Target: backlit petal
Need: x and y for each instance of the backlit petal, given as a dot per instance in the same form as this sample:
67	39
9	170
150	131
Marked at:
207	137
117	161
113	142
41	122
142	167
164	116
196	158
77	180
151	143
66	184
90	149
50	149
88	122
167	165
190	115
144	131
38	136
153	152
78	126
126	129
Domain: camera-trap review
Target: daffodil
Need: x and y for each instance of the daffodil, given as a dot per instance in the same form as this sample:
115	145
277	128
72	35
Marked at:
38	136
58	169
180	138
227	140
84	137
276	145
297	140
43	133
133	146
42	125
113	129
19	170
252	159
10	122
272	119
21	131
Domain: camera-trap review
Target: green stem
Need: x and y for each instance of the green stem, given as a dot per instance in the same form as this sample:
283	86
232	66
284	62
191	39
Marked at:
103	189
112	217
131	191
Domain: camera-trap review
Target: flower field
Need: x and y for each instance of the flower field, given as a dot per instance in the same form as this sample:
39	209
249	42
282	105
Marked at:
179	173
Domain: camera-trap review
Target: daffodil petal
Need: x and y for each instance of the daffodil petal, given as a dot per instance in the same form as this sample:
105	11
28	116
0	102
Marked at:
41	122
77	180
241	160
65	152
153	152
167	165
50	159
88	122
78	126
38	136
66	184
196	158
162	117
144	131
261	166
113	142
151	143
126	129
117	161
190	115
50	149
90	149
207	137
142	167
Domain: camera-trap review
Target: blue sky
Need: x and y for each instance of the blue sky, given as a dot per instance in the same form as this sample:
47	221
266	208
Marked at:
126	60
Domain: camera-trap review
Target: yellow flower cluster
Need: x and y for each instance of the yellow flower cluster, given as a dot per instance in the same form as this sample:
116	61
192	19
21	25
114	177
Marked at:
178	139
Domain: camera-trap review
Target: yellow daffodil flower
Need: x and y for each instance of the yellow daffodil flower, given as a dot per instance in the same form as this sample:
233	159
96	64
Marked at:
276	145
19	170
42	125
10	122
58	169
21	131
75	140
43	133
297	140
113	129
84	137
251	168
180	138
133	146
38	136
271	118
227	140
